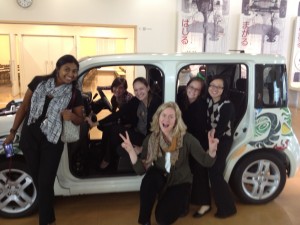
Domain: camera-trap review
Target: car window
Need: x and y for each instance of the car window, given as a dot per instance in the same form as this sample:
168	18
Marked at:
236	75
270	86
102	78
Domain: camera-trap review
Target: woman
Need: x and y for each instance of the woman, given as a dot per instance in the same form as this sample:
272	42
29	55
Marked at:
134	117
43	108
120	94
193	107
120	97
220	114
165	160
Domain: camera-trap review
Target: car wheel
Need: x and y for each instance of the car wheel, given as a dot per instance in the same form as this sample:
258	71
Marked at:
258	178
18	195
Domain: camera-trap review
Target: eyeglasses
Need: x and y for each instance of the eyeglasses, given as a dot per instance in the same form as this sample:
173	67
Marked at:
194	89
216	87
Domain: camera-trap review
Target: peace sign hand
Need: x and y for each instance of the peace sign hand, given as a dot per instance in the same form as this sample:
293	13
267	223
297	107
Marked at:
126	144
213	143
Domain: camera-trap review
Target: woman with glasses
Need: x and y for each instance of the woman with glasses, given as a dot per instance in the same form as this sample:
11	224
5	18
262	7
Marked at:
194	109
220	114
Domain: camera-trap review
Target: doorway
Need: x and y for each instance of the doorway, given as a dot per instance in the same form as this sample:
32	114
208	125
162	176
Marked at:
33	49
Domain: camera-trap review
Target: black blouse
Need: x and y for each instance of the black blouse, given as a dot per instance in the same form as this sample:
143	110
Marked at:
194	117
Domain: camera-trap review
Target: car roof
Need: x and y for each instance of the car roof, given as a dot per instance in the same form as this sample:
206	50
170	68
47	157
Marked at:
146	58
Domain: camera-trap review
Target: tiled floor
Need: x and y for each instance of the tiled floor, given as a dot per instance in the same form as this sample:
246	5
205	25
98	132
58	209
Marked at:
122	208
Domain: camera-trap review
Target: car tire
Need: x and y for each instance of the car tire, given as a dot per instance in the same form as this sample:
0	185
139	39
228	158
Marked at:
258	178
18	194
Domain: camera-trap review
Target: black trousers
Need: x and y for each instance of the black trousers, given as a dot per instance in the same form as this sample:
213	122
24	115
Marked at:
220	188
170	203
43	159
200	192
111	140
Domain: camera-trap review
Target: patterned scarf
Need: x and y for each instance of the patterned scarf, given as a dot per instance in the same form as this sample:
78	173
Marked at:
61	95
158	142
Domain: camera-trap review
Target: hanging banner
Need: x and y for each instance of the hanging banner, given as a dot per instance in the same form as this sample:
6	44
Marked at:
202	25
295	58
261	28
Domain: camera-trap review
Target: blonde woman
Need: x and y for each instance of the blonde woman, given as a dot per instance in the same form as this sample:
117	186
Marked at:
165	162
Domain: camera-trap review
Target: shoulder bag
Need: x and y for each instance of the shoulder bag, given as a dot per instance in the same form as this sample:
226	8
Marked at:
70	131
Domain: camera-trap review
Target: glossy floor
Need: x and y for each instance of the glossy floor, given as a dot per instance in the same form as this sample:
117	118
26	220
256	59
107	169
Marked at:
122	208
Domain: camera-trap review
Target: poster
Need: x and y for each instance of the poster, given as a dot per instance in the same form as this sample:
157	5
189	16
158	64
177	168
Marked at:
262	25
295	58
202	25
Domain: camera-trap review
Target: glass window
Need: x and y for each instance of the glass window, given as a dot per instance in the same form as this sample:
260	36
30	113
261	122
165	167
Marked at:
270	86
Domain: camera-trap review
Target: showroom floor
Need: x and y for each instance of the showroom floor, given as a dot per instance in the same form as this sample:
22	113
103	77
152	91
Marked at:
122	208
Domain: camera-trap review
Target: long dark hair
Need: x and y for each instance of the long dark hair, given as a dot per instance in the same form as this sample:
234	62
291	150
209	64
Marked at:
224	95
142	80
186	102
62	61
117	82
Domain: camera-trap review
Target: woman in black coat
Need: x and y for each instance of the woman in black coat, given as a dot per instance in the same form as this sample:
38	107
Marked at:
133	117
193	107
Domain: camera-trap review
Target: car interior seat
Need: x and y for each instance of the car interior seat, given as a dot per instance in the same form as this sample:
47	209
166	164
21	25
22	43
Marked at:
238	97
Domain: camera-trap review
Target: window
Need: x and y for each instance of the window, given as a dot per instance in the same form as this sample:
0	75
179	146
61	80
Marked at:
236	75
270	86
96	83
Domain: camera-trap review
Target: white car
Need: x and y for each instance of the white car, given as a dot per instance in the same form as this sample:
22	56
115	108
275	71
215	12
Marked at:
264	153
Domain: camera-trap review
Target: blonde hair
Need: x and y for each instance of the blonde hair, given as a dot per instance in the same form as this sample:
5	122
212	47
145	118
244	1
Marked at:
179	127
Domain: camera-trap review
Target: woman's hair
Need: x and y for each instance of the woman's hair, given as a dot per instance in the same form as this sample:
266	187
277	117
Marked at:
179	126
202	93
62	61
142	80
145	82
117	82
201	81
224	95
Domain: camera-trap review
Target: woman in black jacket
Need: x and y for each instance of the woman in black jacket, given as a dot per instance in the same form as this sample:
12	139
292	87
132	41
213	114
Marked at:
220	114
193	107
134	117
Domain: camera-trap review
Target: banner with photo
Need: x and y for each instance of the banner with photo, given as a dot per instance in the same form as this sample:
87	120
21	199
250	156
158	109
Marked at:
202	25
295	57
262	25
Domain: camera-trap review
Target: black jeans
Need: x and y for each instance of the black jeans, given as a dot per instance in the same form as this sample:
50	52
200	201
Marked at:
170	204
42	158
111	140
220	188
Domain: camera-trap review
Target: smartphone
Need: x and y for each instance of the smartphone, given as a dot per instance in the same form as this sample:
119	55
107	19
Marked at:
9	150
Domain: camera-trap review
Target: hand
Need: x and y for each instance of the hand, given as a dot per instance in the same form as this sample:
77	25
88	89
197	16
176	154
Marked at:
126	144
9	138
213	143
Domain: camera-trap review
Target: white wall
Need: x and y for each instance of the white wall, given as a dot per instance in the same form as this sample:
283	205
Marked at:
155	19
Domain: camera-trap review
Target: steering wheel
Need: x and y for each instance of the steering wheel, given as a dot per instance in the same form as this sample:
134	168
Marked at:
104	99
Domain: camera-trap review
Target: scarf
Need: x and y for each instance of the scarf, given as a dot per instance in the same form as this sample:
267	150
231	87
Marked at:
158	143
61	95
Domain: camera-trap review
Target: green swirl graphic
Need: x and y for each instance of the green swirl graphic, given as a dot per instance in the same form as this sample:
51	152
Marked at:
263	125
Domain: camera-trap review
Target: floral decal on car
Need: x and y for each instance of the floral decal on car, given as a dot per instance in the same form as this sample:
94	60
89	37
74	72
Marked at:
272	130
